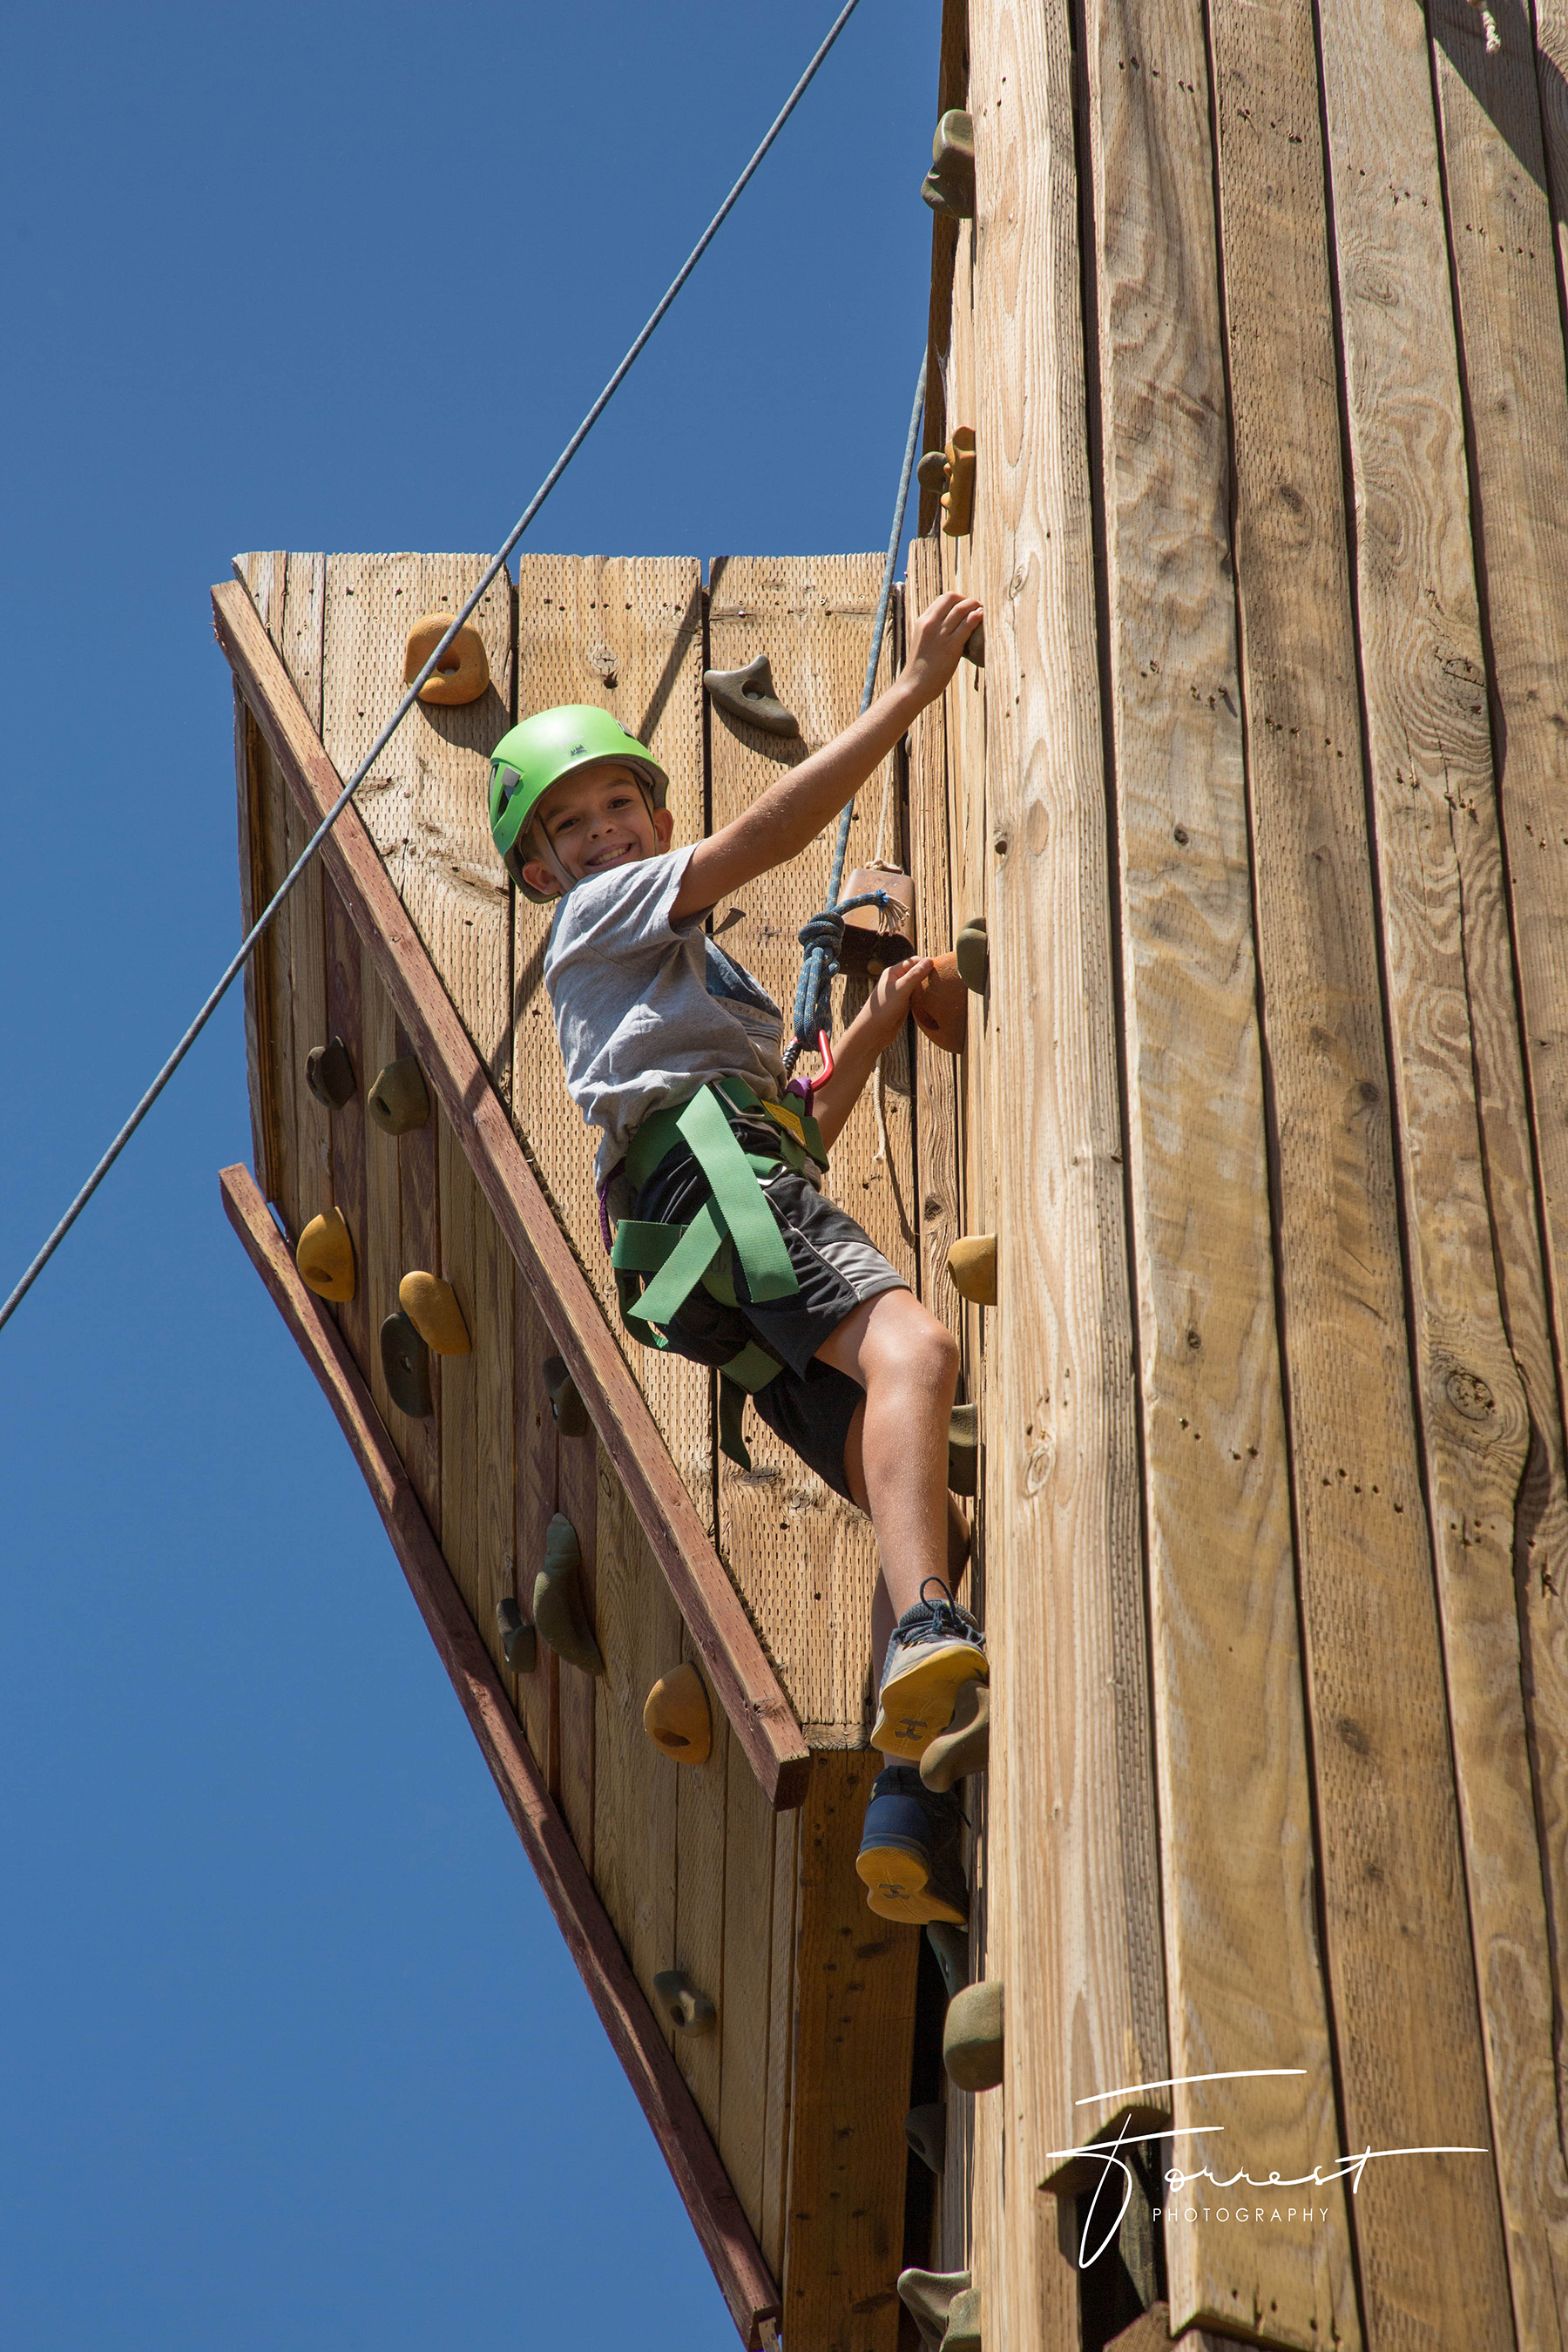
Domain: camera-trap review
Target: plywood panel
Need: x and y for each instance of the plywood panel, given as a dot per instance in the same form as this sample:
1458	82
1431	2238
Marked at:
1234	1781
806	1560
856	1991
626	635
635	1785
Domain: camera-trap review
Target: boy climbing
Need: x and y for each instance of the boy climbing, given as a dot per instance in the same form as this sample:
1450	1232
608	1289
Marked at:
725	1249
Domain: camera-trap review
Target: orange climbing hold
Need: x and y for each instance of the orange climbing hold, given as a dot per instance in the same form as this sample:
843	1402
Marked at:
675	1716
325	1256
431	1306
465	670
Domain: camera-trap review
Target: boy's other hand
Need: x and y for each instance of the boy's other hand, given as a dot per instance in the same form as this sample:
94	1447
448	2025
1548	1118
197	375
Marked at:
888	1006
937	643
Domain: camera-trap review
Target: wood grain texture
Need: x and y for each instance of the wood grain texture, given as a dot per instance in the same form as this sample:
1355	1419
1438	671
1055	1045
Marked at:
937	1075
1235	1792
345	1019
258	1013
734	1660
856	1991
782	2007
1489	1413
272	958
577	1497
419	1250
746	2010
381	1265
425	803
537	1441
478	1431
805	1559
701	1812
625	634
308	996
634	2035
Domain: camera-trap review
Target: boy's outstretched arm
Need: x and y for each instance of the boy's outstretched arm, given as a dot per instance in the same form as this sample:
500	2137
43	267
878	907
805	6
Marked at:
792	813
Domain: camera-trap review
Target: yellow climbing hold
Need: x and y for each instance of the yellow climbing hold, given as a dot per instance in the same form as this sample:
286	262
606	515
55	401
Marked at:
325	1256
432	1307
972	1268
676	1717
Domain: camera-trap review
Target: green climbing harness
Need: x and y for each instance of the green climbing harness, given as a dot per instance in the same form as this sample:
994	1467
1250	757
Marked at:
657	1267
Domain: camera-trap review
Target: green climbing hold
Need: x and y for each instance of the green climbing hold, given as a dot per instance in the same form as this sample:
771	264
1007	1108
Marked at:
689	2010
964	1449
558	1610
949	186
925	2129
971	2037
950	1945
519	1643
931	2297
974	955
405	1367
398	1101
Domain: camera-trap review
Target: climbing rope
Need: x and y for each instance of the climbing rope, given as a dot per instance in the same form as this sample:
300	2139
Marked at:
411	695
823	935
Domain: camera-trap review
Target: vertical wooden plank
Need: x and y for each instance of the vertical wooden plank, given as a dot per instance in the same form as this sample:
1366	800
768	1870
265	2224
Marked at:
634	1785
813	1590
1487	1402
700	1816
855	1986
536	1496
381	1251
258	1014
745	2006
462	1378
345	1019
495	1429
625	633
577	1481
272	800
781	2001
937	1075
1233	1783
308	996
419	1442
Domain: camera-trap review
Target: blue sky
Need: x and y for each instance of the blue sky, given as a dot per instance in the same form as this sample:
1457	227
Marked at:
292	2054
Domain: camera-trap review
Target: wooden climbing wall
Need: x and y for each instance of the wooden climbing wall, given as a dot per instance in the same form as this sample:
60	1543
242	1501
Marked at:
1259	325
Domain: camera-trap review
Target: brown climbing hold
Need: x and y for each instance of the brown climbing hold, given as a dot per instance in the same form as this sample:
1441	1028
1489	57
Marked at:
405	1367
964	1449
519	1640
748	694
675	1716
941	1008
930	2298
325	1256
972	1268
431	1306
965	1748
974	955
558	1610
571	1412
330	1074
971	2037
689	2010
465	668
925	2130
397	1101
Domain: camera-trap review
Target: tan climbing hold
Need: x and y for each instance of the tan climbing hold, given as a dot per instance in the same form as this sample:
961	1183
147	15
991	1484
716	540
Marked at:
972	1268
941	1008
963	2324
325	1256
964	1449
431	1306
519	1643
398	1100
965	1748
689	2010
558	1610
931	2298
675	1716
973	952
465	670
972	2036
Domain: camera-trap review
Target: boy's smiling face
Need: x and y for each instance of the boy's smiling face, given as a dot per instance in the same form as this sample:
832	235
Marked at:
594	819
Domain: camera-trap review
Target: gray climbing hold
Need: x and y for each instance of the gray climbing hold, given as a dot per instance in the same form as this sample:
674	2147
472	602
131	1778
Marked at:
558	1610
689	2010
748	695
406	1366
571	1412
974	955
965	1748
963	2323
950	1945
972	2036
949	186
330	1074
929	2297
397	1101
964	1449
519	1640
932	471
925	2128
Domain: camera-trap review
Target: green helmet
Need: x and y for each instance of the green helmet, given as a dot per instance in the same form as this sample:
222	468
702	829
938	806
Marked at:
539	753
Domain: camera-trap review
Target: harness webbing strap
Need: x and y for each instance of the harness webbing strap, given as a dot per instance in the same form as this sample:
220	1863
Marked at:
739	1199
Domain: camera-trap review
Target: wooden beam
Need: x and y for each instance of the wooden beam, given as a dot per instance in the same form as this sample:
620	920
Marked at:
635	2034
748	1691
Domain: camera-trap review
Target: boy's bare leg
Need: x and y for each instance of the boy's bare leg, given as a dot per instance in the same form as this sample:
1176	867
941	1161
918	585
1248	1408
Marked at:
883	1615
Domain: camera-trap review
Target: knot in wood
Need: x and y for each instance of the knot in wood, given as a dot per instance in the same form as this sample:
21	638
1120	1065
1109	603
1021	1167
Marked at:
1469	1393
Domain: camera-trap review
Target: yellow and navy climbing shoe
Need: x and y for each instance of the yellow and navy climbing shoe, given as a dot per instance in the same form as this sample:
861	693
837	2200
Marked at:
936	1648
910	1857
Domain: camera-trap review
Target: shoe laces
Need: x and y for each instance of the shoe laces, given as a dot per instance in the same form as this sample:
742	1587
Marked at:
946	1614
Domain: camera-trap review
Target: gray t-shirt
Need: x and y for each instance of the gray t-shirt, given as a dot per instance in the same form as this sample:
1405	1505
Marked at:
648	1010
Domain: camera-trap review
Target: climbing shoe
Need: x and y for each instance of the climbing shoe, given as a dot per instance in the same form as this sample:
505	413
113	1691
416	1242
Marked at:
910	1857
936	1648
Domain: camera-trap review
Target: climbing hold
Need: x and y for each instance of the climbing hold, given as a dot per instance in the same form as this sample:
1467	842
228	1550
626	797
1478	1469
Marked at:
971	2037
973	955
925	2128
432	1307
949	186
558	1610
972	1268
876	936
397	1101
929	2297
975	645
958	499
963	2323
749	694
965	1748
518	1640
465	668
330	1074
942	1007
689	2010
932	471
405	1364
676	1717
964	1449
571	1412
950	1945
325	1256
